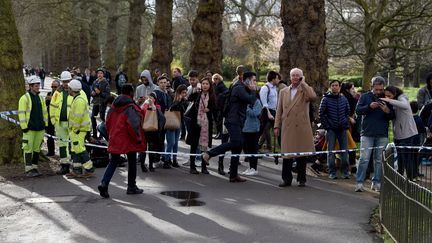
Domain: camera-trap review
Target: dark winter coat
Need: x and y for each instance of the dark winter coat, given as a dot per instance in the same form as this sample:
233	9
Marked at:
124	125
177	81
334	111
194	130
240	98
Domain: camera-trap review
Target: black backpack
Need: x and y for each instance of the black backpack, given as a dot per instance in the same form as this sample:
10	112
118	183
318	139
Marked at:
225	97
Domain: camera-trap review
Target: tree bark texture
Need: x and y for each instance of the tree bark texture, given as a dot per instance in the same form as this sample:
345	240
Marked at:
111	37
94	49
11	84
133	48
304	43
207	32
84	60
162	54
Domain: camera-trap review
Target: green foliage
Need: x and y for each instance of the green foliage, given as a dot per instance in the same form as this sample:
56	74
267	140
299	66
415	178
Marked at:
229	64
411	92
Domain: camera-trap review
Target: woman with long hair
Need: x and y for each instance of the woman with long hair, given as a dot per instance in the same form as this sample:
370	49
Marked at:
404	129
172	136
201	122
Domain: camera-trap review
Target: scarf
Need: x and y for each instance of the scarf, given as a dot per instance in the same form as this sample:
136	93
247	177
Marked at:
203	122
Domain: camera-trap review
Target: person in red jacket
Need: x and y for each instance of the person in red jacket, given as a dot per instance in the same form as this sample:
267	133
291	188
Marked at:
126	136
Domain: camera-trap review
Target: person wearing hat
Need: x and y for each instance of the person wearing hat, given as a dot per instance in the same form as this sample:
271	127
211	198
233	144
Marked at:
100	92
59	112
79	126
33	118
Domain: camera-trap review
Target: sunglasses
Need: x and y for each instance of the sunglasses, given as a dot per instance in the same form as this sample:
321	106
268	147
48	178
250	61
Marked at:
54	87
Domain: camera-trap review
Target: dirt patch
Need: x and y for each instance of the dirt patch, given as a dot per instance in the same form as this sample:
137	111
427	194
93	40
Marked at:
15	172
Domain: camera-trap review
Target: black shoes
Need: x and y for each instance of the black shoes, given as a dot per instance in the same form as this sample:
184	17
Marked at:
134	190
285	184
193	171
144	168
237	179
204	171
63	170
301	184
175	164
166	165
103	191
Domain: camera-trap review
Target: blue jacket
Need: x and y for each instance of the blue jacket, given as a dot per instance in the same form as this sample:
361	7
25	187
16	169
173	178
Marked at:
375	122
252	123
240	98
334	111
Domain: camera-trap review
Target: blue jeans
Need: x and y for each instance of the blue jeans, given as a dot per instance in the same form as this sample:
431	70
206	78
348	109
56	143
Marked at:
172	138
342	138
367	142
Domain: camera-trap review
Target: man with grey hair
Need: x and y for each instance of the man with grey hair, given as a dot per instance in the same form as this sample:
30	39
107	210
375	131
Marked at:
376	115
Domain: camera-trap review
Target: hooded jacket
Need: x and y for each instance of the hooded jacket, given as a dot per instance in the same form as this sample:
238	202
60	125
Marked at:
145	90
334	111
124	125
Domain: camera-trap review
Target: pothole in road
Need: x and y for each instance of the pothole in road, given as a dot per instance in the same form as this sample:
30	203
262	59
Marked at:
189	198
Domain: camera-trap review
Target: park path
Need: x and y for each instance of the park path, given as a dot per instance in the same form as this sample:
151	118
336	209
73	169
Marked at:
57	209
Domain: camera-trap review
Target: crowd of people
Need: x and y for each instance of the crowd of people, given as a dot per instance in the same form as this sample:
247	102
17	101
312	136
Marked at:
159	112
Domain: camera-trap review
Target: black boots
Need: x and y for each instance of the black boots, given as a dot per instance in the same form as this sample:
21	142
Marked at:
175	163
193	169
134	190
64	169
221	168
103	191
204	168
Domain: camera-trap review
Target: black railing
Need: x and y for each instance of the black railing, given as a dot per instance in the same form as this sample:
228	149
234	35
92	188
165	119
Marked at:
405	205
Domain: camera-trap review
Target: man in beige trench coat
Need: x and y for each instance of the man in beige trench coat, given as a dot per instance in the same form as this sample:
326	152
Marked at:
292	121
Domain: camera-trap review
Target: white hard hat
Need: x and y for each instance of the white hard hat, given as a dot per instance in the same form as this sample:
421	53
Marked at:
65	76
33	80
75	85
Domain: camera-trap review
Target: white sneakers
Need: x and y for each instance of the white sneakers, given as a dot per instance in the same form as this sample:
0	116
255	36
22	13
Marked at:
374	187
250	172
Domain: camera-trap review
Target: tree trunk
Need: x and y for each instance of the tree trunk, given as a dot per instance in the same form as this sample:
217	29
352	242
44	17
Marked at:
111	37
94	50
304	43
407	75
369	71
206	51
11	83
133	48
162	38
83	38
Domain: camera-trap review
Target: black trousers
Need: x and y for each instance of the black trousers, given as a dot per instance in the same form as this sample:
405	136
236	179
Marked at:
225	138
50	141
97	110
301	169
115	160
250	146
235	144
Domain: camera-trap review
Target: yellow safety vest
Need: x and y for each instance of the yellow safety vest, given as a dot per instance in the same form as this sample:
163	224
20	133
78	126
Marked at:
79	118
24	110
56	105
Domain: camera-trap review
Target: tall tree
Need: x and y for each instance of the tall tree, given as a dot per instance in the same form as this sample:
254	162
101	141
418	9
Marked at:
304	43
111	36
207	31
133	48
94	48
83	36
11	83
162	54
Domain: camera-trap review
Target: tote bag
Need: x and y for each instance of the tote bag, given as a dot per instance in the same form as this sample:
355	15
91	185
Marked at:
173	120
150	121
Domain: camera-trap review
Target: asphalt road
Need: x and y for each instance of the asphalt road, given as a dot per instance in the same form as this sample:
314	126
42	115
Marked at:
56	209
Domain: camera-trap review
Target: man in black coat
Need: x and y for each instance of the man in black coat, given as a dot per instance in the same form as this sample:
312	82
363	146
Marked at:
220	92
241	95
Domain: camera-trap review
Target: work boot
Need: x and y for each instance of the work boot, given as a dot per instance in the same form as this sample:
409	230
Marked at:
35	158
33	173
221	168
64	169
166	165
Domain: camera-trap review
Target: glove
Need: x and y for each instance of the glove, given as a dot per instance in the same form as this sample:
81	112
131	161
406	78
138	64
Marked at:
77	132
25	130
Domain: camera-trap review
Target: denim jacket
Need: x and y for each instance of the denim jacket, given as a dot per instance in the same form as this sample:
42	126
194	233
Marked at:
252	123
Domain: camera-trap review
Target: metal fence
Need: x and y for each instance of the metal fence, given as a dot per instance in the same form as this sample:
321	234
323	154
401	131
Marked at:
405	205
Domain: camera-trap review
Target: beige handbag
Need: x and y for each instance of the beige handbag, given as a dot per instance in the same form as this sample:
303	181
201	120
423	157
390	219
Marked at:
173	120
150	121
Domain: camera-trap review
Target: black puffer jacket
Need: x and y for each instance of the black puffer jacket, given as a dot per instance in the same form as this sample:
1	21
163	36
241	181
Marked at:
334	111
